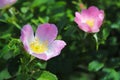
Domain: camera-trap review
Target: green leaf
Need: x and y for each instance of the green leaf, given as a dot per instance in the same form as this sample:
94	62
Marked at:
95	66
106	33
24	9
4	74
111	74
7	35
45	75
38	2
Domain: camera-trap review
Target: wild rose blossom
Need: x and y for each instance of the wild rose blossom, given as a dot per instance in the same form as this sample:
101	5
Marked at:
90	20
6	3
43	45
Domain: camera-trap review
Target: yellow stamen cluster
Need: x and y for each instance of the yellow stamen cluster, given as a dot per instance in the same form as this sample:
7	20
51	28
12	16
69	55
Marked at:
38	47
90	22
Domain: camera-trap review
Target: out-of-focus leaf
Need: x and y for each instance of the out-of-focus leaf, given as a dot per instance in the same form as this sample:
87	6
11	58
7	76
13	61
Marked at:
22	77
106	33
95	66
14	45
7	35
38	2
111	74
113	41
45	75
4	74
24	9
70	15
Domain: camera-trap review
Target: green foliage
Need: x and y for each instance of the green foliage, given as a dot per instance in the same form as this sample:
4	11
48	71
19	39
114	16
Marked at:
45	75
95	66
86	57
111	74
4	74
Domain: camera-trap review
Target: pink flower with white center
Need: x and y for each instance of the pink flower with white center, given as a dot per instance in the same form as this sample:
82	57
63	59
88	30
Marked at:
43	45
90	20
6	3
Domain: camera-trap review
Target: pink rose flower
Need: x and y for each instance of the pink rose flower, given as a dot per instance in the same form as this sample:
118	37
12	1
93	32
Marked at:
43	45
6	3
90	20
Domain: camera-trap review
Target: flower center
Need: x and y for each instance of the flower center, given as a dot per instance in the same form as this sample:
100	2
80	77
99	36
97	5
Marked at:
38	47
90	23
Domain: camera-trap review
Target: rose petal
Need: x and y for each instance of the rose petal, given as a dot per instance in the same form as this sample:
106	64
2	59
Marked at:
93	11
41	56
101	15
77	18
6	3
26	36
55	48
96	26
47	32
84	12
84	27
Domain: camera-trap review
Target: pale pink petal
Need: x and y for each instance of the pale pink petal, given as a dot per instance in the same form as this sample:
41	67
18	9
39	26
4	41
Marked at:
2	3
55	48
94	30
41	56
96	26
84	12
9	1
78	18
101	15
26	35
78	15
5	3
99	19
98	22
84	27
47	32
93	11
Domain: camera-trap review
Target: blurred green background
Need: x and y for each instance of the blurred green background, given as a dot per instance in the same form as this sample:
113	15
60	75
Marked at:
79	60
